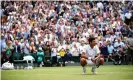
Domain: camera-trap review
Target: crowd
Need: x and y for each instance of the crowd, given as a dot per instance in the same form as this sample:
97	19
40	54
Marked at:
63	28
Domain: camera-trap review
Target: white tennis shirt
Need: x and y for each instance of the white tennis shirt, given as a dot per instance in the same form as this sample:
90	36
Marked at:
91	52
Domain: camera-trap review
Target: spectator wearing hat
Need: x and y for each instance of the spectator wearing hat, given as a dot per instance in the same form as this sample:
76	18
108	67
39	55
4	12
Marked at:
40	57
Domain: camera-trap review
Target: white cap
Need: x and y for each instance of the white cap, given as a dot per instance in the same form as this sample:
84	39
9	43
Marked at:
40	48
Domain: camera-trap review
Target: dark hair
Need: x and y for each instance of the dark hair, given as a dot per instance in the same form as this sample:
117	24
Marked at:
91	39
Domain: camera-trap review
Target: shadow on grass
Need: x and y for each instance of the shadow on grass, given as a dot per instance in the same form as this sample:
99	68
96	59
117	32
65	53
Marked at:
91	74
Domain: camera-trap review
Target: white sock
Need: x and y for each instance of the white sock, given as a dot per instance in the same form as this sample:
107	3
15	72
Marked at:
94	69
84	69
95	66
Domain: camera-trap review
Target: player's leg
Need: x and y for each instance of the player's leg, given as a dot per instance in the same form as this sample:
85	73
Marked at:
83	63
93	64
97	62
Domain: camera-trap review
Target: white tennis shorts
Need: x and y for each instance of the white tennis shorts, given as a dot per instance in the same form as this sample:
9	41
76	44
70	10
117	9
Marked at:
89	62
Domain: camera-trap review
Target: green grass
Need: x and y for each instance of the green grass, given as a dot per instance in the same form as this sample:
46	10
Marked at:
107	72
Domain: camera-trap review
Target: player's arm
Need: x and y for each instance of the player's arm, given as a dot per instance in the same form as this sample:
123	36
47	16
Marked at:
98	55
98	52
96	58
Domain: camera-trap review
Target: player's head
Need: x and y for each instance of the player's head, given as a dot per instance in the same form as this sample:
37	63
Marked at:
92	41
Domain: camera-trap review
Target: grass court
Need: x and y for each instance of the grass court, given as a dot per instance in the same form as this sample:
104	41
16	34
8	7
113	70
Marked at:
106	72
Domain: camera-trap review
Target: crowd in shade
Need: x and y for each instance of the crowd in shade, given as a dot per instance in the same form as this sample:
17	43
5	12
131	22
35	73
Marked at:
63	28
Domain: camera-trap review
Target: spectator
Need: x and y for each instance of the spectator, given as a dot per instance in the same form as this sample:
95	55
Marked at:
111	51
25	47
75	42
68	45
119	43
62	52
47	49
104	50
9	51
68	56
75	51
40	57
33	50
3	44
17	50
54	55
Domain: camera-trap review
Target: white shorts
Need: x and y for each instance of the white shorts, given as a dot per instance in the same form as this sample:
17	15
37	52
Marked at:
89	62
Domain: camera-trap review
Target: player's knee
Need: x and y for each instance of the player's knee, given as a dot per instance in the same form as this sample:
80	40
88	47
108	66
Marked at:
101	58
83	62
101	61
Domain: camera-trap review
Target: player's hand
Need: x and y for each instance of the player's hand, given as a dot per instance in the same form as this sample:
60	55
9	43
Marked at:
93	60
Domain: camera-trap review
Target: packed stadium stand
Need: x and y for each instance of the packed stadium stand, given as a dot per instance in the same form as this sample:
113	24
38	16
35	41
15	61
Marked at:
56	32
